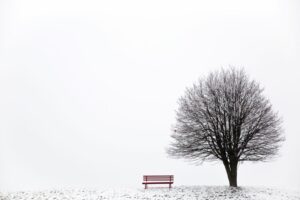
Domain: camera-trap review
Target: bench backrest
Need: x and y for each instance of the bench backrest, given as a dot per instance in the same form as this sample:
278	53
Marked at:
160	178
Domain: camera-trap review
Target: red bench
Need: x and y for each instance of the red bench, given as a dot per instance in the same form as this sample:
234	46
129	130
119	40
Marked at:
158	179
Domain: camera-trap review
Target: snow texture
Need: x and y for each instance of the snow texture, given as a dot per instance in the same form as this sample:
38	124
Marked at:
180	192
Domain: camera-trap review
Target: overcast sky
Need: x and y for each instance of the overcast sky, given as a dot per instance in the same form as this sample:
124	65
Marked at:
88	89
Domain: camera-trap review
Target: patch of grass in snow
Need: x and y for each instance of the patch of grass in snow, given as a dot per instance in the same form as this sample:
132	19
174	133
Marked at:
179	192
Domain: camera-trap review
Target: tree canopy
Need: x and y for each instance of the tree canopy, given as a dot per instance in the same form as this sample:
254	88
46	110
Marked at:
226	117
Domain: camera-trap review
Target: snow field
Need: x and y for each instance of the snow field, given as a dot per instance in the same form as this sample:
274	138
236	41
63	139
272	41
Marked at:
176	193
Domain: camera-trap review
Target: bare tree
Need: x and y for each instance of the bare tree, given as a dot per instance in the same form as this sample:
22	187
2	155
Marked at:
226	117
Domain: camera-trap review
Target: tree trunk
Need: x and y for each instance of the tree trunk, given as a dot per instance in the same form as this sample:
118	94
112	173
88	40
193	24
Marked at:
231	170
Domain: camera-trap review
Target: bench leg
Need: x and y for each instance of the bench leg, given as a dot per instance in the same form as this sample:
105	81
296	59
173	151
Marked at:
170	186
146	186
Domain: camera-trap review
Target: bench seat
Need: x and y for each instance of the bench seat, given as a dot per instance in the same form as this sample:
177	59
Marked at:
158	179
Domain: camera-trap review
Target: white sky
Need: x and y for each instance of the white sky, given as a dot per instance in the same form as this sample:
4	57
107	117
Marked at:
89	88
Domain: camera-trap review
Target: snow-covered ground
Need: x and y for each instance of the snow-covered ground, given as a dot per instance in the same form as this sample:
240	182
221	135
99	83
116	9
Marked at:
179	192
